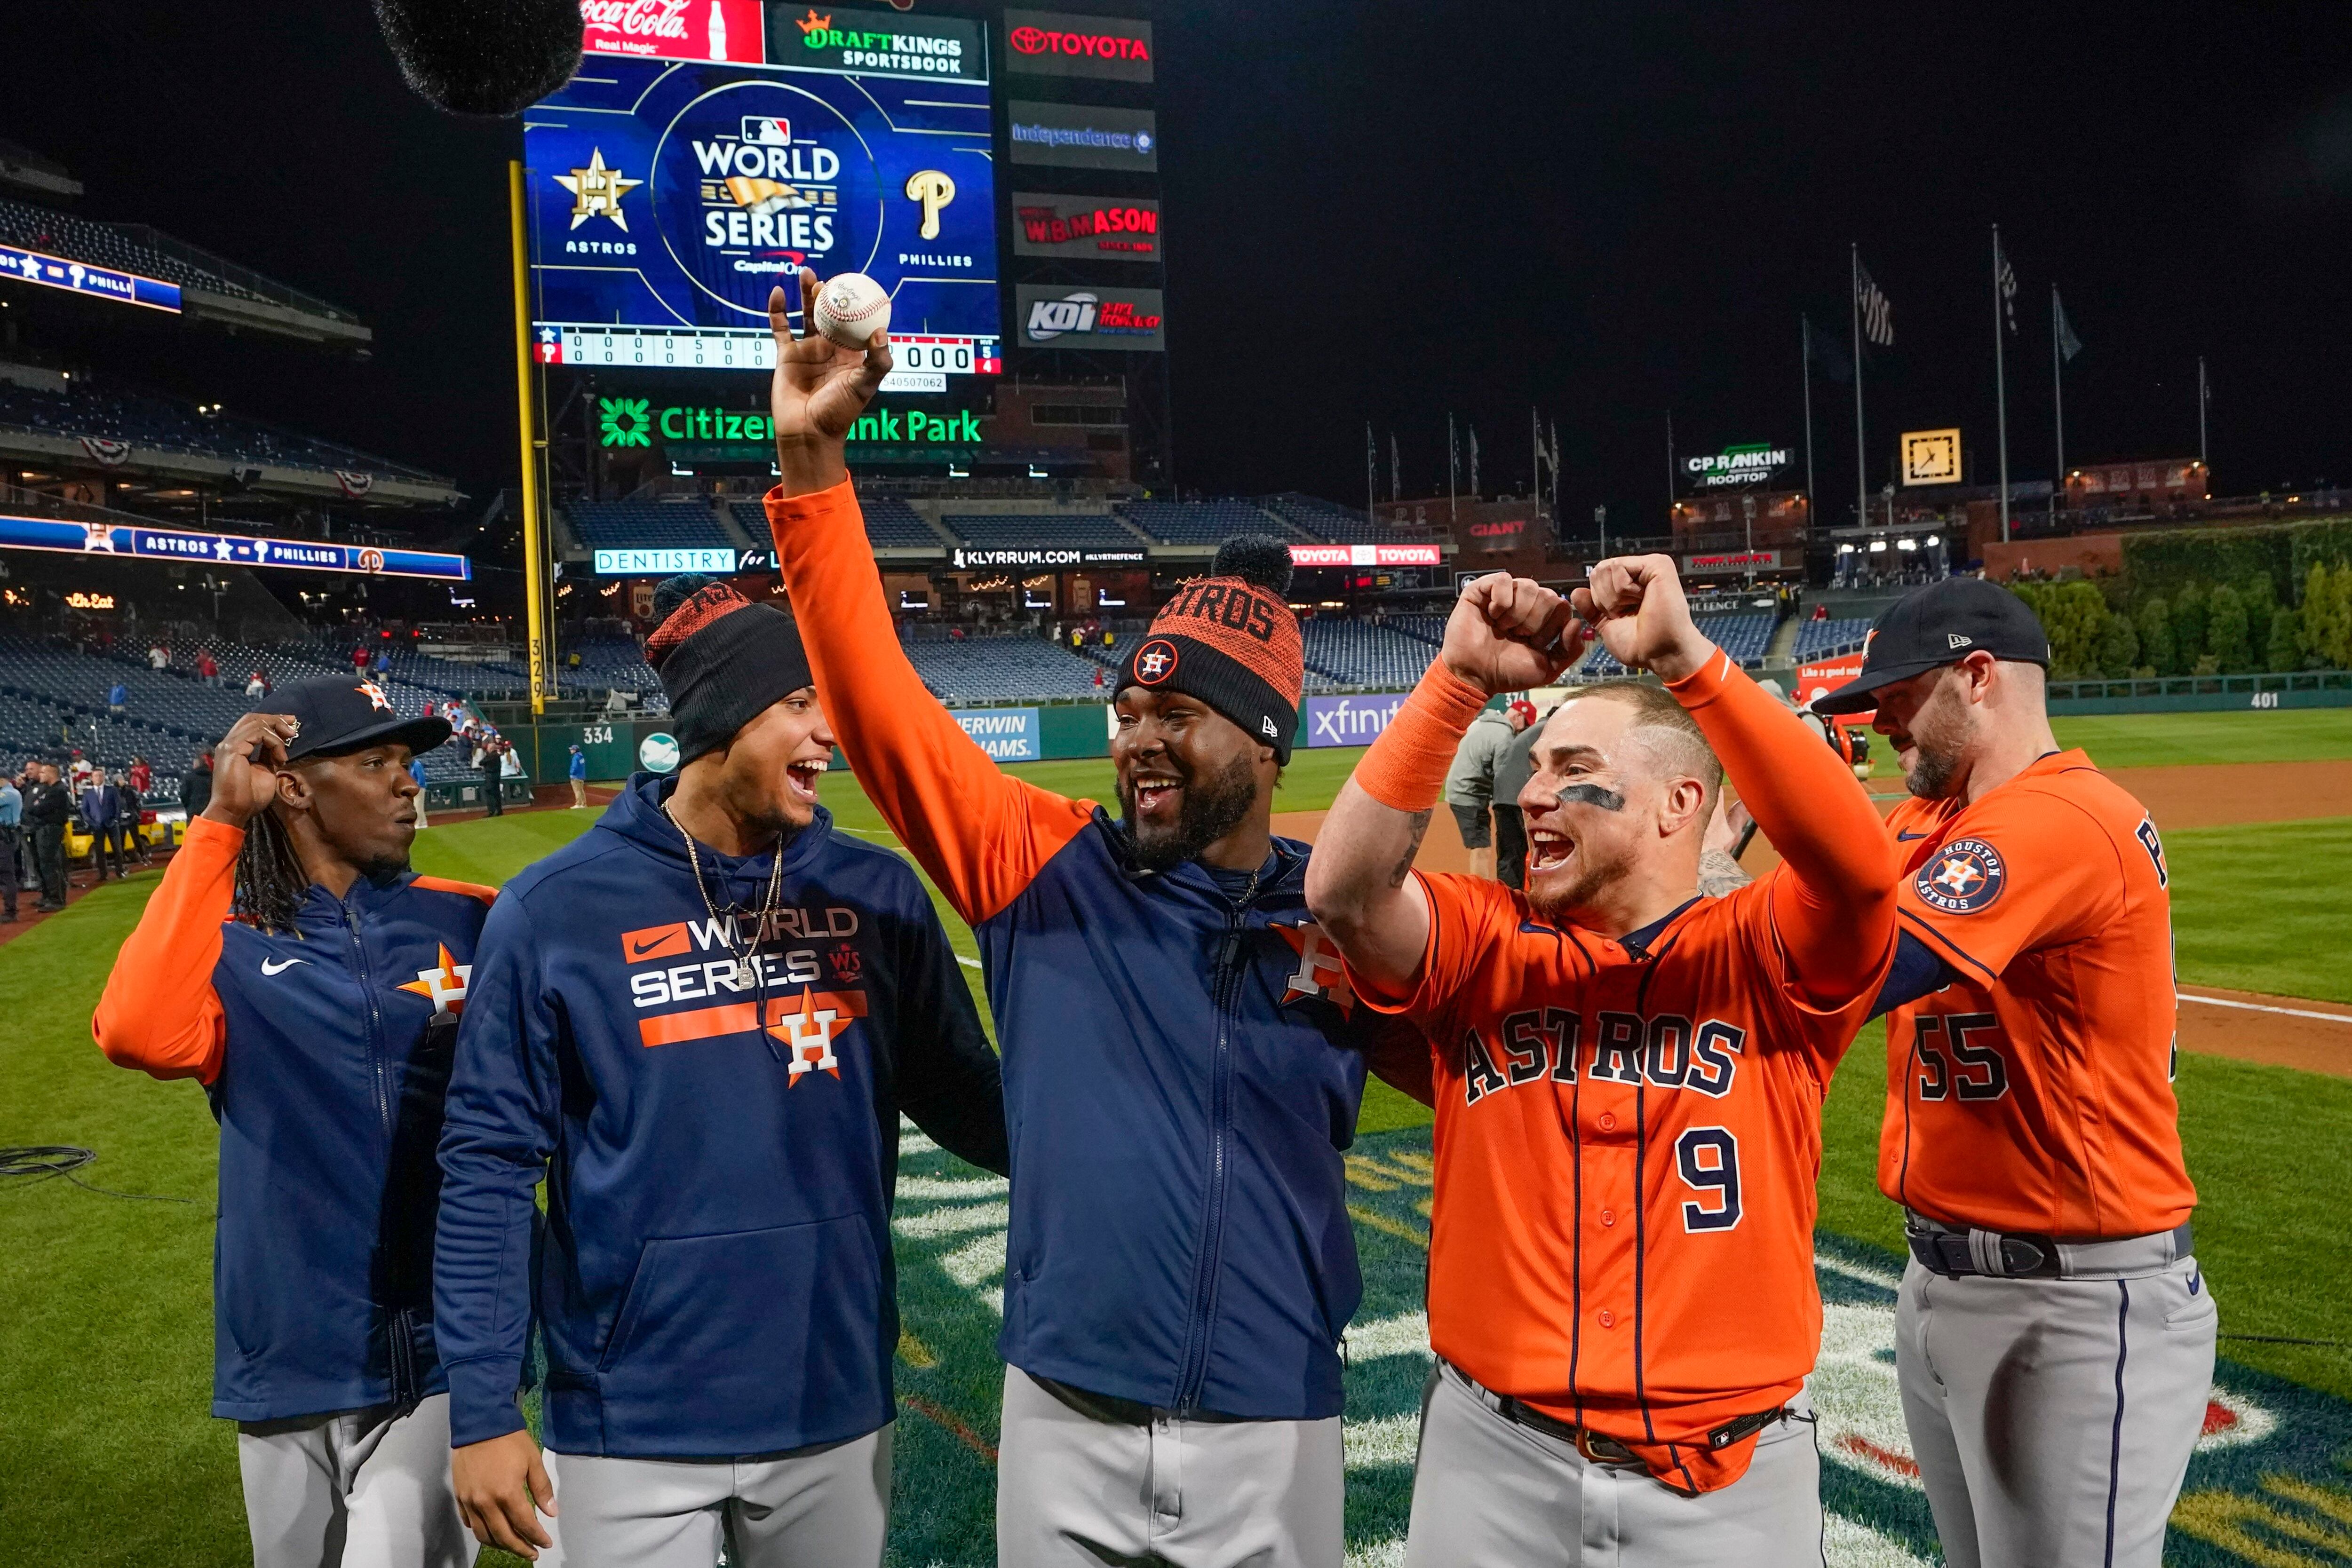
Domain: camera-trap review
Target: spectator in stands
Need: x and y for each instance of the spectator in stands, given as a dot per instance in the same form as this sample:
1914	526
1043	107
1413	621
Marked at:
78	771
1470	785
142	776
118	699
256	684
102	813
578	773
383	665
487	761
359	658
207	668
197	784
130	801
11	832
159	657
417	772
47	808
1512	770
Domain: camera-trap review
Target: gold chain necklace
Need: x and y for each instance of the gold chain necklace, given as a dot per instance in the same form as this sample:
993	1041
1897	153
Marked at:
723	921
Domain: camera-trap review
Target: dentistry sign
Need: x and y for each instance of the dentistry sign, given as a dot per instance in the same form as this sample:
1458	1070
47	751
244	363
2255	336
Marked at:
1006	734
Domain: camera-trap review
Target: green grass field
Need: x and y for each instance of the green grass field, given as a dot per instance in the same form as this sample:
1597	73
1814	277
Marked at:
107	1455
2172	740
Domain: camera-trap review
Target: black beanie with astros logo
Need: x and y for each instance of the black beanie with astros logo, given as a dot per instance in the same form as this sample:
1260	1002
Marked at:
1230	640
722	660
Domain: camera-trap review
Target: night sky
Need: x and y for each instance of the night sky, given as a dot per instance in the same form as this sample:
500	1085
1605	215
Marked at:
1384	211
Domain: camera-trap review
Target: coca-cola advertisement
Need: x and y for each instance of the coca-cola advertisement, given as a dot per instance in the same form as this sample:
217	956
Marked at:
675	29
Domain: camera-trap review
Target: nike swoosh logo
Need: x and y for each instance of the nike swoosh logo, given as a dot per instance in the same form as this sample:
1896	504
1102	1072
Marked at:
281	966
1906	838
641	949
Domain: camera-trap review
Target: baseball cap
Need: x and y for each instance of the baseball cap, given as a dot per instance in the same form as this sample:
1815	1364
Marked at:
337	715
1940	624
1524	710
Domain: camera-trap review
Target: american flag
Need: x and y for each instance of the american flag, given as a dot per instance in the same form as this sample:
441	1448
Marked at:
1877	312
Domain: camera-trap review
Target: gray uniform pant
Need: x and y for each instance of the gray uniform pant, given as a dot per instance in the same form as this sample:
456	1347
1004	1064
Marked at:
2053	1419
1490	1493
1081	1482
826	1507
368	1488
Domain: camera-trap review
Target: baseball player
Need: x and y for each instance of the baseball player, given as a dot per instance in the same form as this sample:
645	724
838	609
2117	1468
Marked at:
1470	783
292	964
1182	1064
1629	1082
699	1022
2054	1336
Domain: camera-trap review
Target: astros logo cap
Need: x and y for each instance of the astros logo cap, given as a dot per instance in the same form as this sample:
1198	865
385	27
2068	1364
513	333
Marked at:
1230	640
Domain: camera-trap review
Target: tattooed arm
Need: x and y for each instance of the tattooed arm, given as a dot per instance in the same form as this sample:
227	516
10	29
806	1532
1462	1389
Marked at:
1719	871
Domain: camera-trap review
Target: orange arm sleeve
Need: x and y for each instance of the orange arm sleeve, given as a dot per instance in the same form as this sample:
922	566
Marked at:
982	834
159	1012
1834	910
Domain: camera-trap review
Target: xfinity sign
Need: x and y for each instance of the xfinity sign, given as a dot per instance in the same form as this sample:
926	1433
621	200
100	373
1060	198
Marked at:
1737	465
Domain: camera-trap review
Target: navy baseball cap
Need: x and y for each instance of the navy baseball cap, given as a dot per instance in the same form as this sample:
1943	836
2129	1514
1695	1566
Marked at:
337	715
1940	624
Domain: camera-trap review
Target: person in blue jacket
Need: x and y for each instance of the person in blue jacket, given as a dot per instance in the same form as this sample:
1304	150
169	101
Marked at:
700	1022
293	965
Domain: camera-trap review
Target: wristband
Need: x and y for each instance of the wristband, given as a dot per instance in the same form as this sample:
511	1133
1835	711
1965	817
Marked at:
1405	769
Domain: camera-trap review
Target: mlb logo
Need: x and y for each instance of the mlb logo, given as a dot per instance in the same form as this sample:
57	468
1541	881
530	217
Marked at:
766	131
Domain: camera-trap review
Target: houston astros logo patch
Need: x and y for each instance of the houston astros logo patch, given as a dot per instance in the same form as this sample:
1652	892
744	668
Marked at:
1155	660
1962	877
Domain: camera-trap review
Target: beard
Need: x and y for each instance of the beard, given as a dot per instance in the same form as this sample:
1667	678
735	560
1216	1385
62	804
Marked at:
1557	901
1214	806
1930	778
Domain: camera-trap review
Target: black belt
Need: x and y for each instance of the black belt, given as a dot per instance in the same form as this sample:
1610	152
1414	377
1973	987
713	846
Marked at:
1998	1254
1608	1450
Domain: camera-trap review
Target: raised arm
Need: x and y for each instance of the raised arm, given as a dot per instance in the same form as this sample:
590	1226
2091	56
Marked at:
1506	635
980	834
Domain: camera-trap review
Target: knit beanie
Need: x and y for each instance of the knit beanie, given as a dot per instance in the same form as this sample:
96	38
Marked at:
1230	640
722	660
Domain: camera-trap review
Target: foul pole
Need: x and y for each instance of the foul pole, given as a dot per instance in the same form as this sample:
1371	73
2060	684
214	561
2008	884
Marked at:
535	571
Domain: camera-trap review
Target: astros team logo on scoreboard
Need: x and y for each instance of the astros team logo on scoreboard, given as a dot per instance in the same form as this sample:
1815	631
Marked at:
1962	877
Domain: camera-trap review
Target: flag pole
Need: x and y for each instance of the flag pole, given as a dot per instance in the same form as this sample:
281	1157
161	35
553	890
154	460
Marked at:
1670	470
1861	453
1371	475
1805	358
2001	382
2058	390
2201	459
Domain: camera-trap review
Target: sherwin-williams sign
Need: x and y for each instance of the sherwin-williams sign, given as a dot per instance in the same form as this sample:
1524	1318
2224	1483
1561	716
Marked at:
1006	734
1084	136
1053	43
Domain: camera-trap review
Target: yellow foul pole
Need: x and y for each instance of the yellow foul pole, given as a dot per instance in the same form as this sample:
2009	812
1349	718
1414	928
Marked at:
534	548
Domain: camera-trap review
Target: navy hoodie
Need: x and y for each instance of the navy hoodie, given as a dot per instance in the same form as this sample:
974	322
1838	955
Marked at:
720	1147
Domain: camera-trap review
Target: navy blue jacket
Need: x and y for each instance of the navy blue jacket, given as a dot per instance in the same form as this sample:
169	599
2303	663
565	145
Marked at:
719	1149
326	1053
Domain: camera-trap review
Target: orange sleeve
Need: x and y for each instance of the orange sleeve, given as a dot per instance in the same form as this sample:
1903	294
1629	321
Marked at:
982	834
1469	916
159	1012
2025	869
1834	910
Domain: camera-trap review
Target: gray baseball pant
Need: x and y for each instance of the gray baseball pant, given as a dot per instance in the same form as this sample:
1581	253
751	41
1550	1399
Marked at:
2053	1419
367	1489
826	1506
1082	1480
1488	1492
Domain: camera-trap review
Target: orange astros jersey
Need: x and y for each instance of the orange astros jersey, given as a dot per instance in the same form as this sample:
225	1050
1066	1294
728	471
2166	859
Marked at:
2035	1094
1627	1146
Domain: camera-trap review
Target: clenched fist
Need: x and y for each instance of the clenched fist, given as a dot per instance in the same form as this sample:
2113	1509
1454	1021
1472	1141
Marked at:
1508	633
1634	604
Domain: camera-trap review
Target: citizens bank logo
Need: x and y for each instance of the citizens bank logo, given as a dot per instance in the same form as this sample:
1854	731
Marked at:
625	421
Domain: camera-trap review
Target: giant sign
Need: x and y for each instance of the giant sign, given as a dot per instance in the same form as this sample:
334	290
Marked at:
667	199
1751	465
1094	228
1091	319
204	548
1052	43
1085	136
20	265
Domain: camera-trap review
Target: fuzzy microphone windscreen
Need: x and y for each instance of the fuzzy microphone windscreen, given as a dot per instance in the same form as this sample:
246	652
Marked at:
482	57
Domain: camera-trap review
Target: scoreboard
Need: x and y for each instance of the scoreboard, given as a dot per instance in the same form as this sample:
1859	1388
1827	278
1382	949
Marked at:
667	195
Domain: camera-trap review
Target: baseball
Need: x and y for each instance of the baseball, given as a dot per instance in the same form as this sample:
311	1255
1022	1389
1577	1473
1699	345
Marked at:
851	309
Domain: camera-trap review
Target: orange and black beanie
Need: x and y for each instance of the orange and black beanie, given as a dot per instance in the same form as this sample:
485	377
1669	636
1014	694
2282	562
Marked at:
722	660
1230	640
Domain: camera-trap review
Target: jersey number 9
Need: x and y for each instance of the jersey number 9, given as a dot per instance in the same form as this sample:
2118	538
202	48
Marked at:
1708	1159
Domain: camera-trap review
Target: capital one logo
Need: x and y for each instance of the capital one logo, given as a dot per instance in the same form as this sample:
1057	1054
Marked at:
1052	317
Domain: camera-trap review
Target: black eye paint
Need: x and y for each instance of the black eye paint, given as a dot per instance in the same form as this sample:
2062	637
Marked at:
1593	795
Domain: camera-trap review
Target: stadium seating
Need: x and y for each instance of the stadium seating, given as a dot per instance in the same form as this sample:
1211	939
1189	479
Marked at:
1829	639
648	525
1744	637
153	420
1199	522
1004	669
1341	653
890	523
1063	530
80	239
